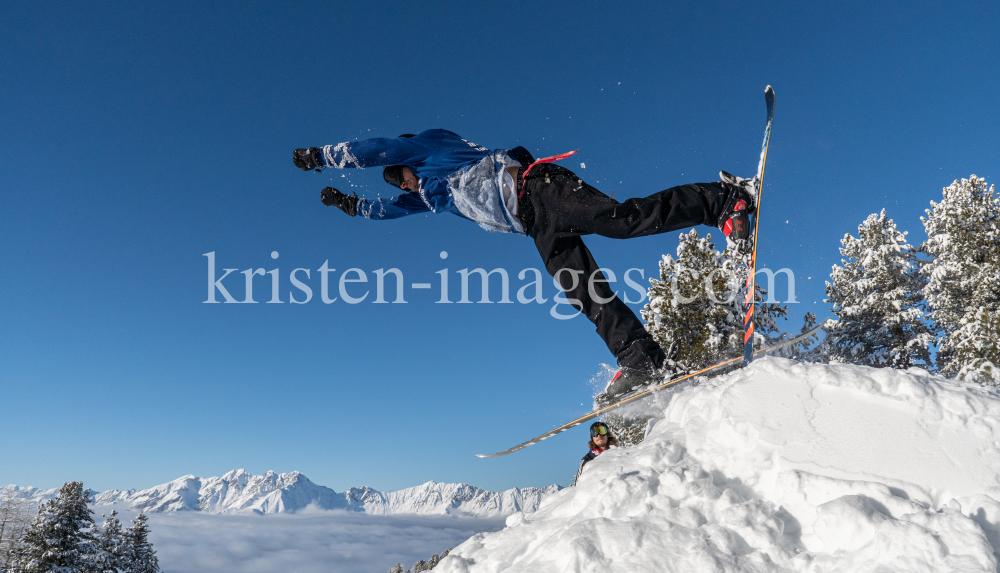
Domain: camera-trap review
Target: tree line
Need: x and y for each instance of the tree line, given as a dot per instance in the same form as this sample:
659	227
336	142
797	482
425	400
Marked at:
421	565
935	305
63	537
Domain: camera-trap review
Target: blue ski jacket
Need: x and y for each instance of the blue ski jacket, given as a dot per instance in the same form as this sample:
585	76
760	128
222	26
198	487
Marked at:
456	176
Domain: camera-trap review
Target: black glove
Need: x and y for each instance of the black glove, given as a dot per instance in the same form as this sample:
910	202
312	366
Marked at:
307	159
346	203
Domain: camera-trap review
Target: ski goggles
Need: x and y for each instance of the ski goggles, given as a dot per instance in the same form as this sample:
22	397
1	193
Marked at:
600	430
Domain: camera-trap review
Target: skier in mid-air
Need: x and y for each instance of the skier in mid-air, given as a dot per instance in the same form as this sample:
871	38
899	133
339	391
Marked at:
507	190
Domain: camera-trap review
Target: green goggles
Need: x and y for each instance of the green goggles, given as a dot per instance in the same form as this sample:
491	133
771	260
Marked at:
601	430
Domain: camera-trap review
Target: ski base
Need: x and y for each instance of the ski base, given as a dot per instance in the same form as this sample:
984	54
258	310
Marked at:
751	286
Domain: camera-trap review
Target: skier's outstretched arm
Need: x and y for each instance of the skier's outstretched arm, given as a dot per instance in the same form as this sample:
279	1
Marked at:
373	152
405	204
401	206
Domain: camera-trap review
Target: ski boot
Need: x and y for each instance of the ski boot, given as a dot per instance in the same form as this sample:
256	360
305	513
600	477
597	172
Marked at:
628	381
735	218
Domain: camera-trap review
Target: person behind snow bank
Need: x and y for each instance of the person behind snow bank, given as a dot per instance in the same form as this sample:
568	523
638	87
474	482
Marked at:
507	190
601	441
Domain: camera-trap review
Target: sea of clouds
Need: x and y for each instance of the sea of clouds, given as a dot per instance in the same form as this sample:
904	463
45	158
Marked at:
305	542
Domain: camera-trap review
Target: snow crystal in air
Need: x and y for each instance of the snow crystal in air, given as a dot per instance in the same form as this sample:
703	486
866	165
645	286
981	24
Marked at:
339	156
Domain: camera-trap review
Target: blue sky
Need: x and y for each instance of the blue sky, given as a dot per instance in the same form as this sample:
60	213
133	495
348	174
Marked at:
136	138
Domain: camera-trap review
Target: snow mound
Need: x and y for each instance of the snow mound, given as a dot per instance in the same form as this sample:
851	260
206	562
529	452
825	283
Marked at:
779	467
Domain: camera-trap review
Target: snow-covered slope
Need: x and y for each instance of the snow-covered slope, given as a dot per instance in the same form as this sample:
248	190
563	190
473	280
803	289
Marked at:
779	467
239	491
449	499
233	492
32	494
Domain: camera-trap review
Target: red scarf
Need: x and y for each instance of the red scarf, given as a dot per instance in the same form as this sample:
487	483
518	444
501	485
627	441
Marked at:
545	160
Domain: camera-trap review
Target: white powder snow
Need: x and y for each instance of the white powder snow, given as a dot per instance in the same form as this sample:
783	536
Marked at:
779	467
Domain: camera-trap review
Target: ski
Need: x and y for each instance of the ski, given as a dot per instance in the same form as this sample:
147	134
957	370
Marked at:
628	399
751	286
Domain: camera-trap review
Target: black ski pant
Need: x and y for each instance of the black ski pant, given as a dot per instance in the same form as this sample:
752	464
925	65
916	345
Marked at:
557	208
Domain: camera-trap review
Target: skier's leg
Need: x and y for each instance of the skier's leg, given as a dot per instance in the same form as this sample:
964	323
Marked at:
570	261
576	207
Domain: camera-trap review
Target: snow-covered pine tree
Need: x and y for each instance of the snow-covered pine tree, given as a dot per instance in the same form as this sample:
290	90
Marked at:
15	517
877	298
963	290
435	559
697	302
422	565
61	537
139	556
111	544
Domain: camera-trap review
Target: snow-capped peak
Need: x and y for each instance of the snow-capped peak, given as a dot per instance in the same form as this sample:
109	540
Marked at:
240	491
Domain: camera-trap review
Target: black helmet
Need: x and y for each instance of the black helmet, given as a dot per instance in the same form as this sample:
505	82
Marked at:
393	174
596	429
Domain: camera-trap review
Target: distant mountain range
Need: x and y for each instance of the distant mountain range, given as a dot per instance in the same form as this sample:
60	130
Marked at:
239	491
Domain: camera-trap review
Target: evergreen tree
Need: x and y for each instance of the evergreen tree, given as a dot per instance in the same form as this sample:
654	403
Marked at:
139	556
60	538
435	559
112	546
422	565
697	302
15	517
963	289
877	297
